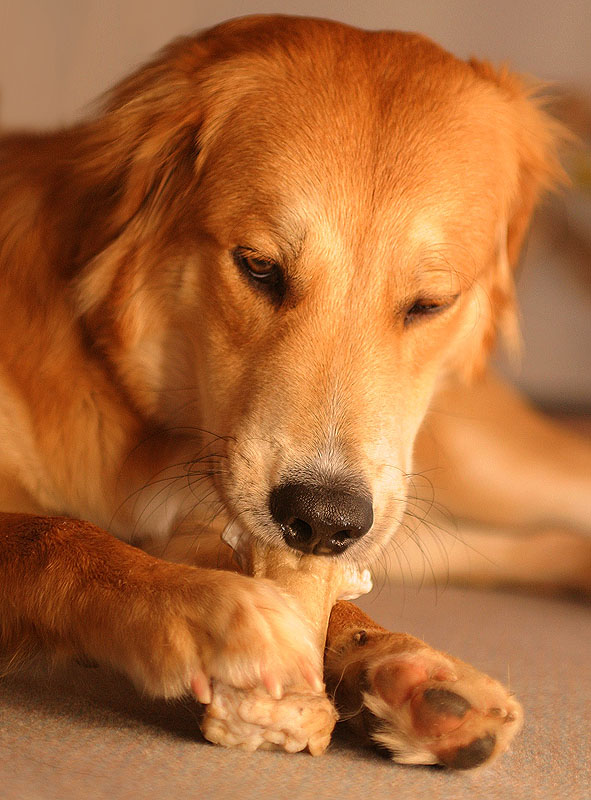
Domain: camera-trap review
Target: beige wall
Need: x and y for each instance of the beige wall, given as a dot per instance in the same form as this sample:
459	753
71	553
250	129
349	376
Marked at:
57	55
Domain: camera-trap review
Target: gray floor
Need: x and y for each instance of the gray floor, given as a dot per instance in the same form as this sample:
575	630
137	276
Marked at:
88	735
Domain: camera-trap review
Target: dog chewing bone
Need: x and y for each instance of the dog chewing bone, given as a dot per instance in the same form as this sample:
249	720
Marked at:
252	719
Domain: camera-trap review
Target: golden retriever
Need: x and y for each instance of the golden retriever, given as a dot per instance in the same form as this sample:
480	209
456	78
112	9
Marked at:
232	295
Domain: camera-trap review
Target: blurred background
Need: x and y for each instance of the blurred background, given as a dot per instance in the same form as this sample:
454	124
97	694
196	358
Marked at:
56	56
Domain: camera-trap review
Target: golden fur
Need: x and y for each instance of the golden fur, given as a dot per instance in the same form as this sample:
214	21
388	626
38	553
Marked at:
147	379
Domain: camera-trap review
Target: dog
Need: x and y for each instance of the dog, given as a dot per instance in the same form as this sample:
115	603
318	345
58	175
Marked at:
247	290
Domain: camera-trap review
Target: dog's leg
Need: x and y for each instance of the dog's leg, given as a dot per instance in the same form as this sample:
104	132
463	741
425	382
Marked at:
520	484
493	459
502	493
69	589
420	705
440	551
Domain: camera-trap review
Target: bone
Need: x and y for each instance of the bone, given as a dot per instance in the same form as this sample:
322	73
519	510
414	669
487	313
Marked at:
302	718
315	582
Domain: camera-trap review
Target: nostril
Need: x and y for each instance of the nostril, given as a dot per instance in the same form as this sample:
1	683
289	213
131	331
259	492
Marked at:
301	535
343	538
298	531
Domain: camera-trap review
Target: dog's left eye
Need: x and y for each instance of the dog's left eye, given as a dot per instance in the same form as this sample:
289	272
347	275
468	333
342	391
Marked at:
424	308
263	271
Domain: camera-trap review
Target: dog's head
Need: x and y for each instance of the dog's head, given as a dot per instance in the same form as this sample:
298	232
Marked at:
304	227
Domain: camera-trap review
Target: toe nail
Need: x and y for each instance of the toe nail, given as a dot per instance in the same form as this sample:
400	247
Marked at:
201	688
312	677
273	686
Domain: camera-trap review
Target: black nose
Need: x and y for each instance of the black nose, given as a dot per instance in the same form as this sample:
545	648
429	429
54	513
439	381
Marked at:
320	520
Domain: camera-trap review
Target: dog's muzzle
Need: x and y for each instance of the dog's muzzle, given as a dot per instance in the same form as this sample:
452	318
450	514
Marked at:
320	520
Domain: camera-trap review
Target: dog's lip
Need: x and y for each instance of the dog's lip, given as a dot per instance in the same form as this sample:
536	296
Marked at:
358	582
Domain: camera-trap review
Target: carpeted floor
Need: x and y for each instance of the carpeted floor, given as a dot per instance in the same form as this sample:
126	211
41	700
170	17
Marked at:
88	735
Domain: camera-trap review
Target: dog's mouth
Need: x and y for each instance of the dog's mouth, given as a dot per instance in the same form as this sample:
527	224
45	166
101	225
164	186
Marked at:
331	535
329	510
358	582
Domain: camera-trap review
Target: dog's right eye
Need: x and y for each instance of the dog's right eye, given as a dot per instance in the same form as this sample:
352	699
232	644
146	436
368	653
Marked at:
263	272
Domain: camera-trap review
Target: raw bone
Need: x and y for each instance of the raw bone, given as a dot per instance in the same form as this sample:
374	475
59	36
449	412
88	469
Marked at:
251	719
316	582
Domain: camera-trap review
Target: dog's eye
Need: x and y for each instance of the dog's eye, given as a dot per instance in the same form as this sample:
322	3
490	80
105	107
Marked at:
425	308
263	271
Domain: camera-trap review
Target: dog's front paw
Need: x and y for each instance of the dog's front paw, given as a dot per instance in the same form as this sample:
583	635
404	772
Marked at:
208	626
419	705
256	636
252	720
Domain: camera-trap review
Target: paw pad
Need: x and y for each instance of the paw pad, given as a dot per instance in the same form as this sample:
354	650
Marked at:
436	711
425	708
470	755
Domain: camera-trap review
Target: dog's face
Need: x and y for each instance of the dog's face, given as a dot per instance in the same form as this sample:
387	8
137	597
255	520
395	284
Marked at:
337	242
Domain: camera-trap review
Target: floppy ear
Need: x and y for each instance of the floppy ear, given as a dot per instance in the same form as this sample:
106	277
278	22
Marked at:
132	170
536	139
141	148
